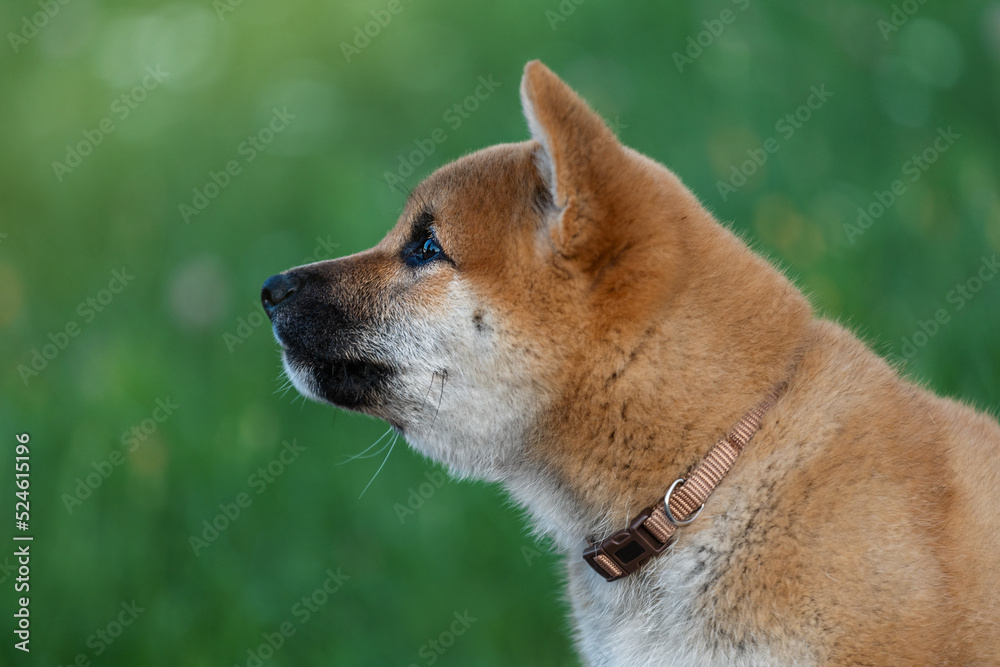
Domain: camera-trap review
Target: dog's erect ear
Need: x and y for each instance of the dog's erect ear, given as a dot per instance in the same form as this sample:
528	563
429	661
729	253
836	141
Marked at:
576	145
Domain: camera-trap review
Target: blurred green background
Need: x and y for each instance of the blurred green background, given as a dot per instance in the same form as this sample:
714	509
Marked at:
113	510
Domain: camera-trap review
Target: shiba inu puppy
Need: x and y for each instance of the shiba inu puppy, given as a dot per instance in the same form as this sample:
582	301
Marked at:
562	316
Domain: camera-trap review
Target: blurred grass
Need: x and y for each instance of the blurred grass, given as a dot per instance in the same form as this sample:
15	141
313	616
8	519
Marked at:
320	183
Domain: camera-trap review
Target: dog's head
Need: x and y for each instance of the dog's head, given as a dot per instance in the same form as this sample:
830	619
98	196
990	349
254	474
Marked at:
510	275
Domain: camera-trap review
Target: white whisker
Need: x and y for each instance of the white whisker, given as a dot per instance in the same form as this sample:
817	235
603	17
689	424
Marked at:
428	392
444	378
391	445
364	453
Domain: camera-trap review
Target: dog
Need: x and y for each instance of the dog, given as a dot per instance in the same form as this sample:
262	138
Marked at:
731	479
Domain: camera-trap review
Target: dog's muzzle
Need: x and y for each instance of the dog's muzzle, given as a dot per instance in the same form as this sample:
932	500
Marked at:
326	348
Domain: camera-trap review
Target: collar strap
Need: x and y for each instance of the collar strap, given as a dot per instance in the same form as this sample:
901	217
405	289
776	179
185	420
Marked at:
652	530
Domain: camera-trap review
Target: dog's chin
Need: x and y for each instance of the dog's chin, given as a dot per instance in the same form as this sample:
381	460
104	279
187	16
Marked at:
350	384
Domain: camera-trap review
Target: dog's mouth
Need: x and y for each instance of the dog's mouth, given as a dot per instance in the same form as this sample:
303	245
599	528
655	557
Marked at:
330	350
350	383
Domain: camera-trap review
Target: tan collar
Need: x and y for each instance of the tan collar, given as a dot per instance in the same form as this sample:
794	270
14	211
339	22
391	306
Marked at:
652	531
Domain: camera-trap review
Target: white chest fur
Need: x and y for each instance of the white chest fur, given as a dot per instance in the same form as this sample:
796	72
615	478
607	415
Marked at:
661	616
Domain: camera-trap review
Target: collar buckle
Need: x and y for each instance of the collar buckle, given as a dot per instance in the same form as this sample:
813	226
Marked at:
627	549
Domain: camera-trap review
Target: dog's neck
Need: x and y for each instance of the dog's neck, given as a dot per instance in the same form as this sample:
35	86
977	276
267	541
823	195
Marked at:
630	426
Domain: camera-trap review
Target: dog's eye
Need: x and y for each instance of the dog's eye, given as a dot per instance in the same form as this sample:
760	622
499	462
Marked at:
425	251
429	249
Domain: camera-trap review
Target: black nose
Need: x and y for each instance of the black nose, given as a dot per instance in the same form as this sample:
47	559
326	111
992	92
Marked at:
277	289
